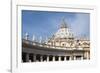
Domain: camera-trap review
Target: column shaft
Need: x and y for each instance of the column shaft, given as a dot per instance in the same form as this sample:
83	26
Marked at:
74	57
64	58
53	58
47	58
59	58
27	57
34	57
41	58
87	55
70	57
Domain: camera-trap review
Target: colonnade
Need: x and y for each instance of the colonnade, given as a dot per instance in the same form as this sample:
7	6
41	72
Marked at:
30	57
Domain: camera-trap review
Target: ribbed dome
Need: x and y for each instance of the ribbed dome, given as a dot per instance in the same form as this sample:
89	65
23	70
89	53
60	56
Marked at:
63	31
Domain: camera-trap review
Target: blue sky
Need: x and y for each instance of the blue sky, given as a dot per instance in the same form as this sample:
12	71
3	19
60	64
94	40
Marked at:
45	24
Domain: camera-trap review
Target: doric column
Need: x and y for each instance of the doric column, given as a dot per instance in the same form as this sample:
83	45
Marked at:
70	57
34	57
74	57
64	58
81	57
47	58
27	57
59	58
87	55
30	61
53	58
41	58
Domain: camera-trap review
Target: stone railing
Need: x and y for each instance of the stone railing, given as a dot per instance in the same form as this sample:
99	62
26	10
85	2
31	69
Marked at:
51	46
